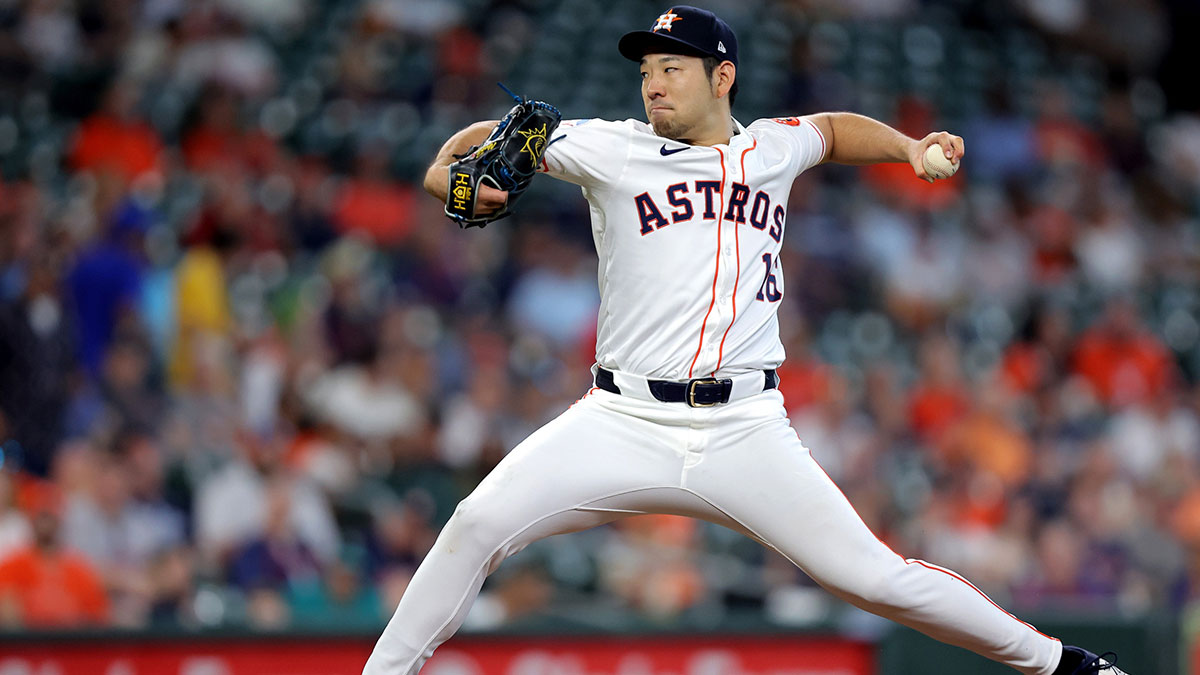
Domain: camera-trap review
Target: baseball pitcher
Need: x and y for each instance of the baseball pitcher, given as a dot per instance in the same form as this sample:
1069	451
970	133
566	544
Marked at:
688	211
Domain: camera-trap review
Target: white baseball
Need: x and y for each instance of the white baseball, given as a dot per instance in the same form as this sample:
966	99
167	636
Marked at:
936	164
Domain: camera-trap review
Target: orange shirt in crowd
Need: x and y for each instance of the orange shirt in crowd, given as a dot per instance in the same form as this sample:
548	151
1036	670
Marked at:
51	590
1025	367
1123	370
207	148
381	209
1185	519
990	443
103	142
933	409
898	181
803	382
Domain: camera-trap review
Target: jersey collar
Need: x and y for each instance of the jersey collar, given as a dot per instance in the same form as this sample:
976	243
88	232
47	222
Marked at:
740	137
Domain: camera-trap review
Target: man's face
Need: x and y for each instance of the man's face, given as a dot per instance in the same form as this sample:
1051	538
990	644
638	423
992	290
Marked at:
676	92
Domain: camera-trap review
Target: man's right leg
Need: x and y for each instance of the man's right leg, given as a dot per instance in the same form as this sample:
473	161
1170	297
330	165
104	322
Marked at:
591	465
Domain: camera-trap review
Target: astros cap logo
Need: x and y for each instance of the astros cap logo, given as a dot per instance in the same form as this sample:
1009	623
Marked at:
665	20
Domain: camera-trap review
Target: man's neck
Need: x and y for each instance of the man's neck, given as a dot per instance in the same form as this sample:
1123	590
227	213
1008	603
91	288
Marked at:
718	132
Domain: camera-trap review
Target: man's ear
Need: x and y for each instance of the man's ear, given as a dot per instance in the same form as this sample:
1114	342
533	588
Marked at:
722	78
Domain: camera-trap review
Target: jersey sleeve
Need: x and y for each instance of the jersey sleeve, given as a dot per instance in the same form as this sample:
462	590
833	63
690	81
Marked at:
806	145
588	153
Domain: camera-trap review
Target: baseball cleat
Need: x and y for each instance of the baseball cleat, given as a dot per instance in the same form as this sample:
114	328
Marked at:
1091	664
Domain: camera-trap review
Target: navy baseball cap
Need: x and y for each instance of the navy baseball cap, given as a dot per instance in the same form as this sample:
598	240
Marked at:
682	30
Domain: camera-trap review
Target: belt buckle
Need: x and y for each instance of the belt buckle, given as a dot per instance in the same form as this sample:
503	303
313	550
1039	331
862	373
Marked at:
691	392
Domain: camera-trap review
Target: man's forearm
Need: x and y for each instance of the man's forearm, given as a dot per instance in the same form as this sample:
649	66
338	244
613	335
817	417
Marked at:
436	176
855	139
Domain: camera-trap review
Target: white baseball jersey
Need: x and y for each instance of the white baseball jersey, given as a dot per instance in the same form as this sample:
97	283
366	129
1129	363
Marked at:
688	239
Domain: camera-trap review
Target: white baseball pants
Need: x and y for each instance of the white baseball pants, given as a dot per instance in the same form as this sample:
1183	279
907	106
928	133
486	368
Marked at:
740	465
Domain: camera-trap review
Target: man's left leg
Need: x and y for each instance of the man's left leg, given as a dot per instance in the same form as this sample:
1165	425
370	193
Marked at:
756	471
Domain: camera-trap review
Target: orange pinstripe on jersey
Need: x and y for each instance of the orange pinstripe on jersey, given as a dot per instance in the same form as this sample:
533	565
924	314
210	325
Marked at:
716	268
738	249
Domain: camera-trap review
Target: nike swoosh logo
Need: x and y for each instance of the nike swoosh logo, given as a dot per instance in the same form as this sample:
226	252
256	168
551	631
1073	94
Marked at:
664	151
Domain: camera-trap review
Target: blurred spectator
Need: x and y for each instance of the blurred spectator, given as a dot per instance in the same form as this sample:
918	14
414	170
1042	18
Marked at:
362	64
200	427
840	437
884	402
1042	356
262	382
472	421
233	504
219	48
1002	141
157	524
351	319
416	18
1110	250
37	361
218	140
940	399
1058	580
1129	35
341	599
45	586
367	402
925	277
556	296
50	33
15	531
400	536
1122	361
1051	231
106	284
460	53
1002	260
202	316
173	585
115	139
989	439
1061	139
515	593
374	205
276	558
322	455
311	221
121	524
1178	148
233	221
126	394
268	565
1147	434
652	566
1122	133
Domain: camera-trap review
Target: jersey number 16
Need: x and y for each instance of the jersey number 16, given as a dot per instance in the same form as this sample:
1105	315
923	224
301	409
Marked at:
769	290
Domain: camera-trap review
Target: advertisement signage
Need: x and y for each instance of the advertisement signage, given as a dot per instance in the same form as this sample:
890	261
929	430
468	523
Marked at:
465	655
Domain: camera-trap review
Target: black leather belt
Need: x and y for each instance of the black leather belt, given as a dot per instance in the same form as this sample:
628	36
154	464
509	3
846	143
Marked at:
698	393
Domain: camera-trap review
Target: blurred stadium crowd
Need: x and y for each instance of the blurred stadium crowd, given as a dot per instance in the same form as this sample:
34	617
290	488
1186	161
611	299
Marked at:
247	369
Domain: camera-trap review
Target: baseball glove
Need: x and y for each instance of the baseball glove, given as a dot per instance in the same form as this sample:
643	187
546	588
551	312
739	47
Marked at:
507	160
